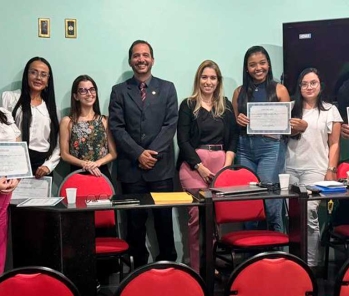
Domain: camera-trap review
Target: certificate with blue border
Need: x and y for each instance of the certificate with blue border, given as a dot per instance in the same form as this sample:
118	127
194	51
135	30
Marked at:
271	118
14	160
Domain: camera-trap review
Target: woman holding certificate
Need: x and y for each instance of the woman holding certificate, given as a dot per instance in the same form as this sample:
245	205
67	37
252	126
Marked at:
313	154
263	154
34	110
85	139
207	139
8	133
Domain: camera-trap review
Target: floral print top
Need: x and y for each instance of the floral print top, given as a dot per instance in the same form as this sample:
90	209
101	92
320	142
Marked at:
88	140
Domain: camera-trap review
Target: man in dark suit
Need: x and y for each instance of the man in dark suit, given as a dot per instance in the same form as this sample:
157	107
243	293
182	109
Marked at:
143	113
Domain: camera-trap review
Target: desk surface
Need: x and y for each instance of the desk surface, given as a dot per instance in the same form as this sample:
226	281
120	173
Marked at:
327	196
145	201
216	197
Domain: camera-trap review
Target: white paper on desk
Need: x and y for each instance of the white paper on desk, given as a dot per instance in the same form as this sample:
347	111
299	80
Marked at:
100	202
40	202
329	184
31	188
14	159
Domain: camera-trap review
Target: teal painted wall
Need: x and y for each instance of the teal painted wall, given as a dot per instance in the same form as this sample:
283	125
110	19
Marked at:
182	32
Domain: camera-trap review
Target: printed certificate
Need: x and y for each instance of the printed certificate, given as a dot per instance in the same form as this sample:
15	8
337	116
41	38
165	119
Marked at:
269	118
40	202
33	188
14	160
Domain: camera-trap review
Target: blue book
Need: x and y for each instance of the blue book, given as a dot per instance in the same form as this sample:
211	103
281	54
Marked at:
325	189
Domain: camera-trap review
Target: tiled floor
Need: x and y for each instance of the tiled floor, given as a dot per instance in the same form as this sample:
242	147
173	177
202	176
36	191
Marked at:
325	286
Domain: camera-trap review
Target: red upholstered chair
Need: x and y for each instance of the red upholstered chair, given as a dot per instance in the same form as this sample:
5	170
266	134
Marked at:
336	234
36	281
89	185
341	286
241	211
272	274
342	169
163	278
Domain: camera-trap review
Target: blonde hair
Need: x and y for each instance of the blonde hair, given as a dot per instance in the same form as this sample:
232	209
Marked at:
218	96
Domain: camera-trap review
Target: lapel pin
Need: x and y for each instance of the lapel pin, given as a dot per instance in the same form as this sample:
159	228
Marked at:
153	92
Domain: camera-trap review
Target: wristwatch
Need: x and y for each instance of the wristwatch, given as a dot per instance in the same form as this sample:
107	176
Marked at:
332	169
197	166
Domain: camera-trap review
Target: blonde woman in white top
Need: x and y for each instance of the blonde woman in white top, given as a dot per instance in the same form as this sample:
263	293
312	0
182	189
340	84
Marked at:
8	133
35	113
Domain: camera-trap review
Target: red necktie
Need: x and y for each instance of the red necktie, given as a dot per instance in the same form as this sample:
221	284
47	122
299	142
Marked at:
143	92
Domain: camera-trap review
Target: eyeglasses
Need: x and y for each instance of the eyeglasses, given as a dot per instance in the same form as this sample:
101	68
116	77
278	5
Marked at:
37	74
311	84
85	91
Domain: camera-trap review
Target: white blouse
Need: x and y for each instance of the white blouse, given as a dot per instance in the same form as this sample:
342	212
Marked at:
39	128
311	151
8	132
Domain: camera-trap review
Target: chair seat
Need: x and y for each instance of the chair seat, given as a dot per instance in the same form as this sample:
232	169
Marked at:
342	230
254	238
110	245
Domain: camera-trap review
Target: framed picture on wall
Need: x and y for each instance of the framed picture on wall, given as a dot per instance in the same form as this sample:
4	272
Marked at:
44	27
70	28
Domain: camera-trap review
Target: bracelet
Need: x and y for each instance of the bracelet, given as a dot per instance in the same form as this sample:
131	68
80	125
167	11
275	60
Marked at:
197	165
332	169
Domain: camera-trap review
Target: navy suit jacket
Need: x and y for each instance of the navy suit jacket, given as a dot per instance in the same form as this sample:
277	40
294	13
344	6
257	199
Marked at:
137	125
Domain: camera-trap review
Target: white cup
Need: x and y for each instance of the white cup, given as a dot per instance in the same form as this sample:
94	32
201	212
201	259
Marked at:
284	181
71	195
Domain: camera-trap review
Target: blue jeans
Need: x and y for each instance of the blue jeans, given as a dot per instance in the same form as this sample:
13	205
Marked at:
266	157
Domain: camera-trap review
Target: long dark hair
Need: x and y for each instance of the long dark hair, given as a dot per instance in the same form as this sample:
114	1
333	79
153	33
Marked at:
48	95
297	111
248	86
75	110
3	118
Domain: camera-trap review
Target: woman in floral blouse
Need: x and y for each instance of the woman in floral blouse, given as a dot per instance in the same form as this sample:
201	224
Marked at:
85	139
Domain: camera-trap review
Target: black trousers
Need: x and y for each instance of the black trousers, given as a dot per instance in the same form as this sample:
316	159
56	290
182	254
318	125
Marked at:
37	159
136	219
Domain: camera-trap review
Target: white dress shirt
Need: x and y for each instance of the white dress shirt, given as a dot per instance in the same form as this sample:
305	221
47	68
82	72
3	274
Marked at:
39	128
8	132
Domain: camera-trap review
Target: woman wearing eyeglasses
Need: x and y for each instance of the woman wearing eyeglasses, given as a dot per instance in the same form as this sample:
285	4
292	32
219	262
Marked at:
35	113
85	139
313	149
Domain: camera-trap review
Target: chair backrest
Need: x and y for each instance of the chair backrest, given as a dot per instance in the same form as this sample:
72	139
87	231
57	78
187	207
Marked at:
272	273
90	185
36	281
342	170
341	286
237	211
163	278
